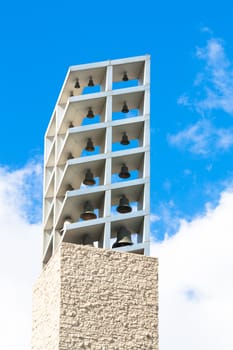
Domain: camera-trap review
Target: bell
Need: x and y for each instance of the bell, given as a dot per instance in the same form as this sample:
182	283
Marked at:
89	178
71	93
125	108
77	85
88	212
124	174
123	238
89	147
67	221
90	113
69	187
71	125
124	206
70	156
125	141
125	77
91	82
87	240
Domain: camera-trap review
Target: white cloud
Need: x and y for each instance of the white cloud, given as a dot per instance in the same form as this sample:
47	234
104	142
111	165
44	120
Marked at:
203	138
195	282
20	254
196	285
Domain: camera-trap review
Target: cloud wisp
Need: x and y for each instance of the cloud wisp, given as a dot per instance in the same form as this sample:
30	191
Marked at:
214	82
216	79
202	138
213	91
195	281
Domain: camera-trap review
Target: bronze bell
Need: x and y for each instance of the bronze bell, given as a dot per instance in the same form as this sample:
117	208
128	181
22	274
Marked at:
124	174
88	212
90	113
87	240
70	156
71	125
89	178
77	85
91	82
69	187
71	93
67	221
89	147
124	206
123	238
125	77
125	141
125	108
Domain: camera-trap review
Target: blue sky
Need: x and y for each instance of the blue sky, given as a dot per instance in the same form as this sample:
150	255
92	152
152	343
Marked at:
39	42
191	106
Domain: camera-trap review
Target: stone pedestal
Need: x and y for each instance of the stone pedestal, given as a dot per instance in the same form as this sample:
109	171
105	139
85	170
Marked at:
90	298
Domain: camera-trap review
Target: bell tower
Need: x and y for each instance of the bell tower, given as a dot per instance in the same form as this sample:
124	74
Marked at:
99	288
97	159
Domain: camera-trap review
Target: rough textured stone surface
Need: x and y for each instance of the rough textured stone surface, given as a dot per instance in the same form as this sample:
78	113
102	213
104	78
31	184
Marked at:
108	300
46	307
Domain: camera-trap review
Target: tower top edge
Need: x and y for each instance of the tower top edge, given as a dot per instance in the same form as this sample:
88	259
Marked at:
109	62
